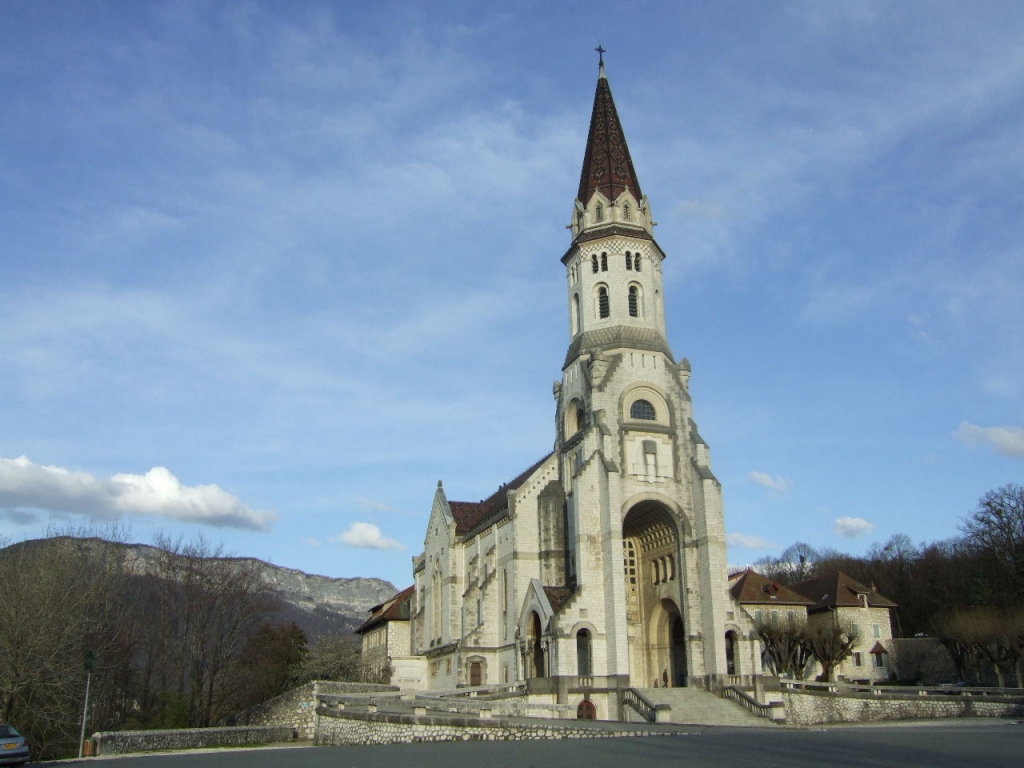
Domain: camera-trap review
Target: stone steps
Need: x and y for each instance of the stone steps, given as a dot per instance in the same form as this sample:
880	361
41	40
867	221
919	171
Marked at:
697	706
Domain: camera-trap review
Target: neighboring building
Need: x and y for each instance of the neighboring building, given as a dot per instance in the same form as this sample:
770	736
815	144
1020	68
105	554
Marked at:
763	600
386	636
839	599
602	566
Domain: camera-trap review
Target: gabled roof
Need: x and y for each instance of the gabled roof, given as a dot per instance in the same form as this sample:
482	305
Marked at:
837	590
395	609
558	597
751	588
607	166
471	516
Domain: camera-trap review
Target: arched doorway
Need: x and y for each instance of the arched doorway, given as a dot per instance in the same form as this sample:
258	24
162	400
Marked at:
586	710
536	650
730	653
652	569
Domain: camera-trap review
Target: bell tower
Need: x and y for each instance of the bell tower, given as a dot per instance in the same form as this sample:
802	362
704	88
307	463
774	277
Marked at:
644	532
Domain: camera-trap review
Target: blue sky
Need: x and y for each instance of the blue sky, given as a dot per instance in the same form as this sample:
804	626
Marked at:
269	271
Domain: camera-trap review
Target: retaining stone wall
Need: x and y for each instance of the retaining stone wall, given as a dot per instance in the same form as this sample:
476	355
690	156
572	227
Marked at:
127	742
359	728
812	708
297	708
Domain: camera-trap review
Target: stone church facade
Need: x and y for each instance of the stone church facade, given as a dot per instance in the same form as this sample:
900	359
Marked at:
602	567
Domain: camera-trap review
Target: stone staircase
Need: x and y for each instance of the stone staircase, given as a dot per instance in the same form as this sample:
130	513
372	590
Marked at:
697	706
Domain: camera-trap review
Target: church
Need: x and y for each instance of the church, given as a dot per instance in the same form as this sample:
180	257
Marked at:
602	567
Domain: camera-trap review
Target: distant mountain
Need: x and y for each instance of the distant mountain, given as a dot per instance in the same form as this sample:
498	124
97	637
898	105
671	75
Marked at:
317	604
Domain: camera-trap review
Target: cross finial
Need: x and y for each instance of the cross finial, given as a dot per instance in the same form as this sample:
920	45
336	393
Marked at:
600	54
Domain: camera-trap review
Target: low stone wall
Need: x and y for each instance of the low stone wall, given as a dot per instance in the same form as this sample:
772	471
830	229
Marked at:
363	728
297	707
127	742
817	707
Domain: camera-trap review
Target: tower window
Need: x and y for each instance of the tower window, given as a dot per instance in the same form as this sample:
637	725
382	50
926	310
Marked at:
634	301
641	409
575	313
604	262
627	213
593	262
599	212
602	302
636	262
629	261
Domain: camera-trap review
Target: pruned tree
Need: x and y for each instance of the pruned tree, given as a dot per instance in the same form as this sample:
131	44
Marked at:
831	643
785	650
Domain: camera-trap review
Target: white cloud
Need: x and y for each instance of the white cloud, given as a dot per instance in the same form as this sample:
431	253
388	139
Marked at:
777	484
1008	441
749	542
366	535
376	506
312	541
851	527
28	486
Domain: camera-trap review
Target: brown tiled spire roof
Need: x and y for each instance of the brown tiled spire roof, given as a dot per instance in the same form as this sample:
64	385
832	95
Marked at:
607	166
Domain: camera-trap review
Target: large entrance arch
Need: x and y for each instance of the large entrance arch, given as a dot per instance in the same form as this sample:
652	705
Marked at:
653	572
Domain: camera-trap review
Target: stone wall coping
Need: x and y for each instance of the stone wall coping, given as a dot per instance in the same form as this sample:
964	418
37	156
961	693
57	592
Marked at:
900	692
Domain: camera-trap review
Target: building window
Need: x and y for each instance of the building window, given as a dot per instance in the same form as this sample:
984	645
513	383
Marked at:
593	262
599	212
876	630
879	659
603	310
583	661
627	212
634	301
604	262
858	660
629	261
650	459
575	313
636	262
641	409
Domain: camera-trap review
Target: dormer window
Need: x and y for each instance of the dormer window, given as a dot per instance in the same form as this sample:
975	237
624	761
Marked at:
627	212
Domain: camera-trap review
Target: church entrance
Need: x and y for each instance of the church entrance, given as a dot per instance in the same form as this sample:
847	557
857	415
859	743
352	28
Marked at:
536	650
653	571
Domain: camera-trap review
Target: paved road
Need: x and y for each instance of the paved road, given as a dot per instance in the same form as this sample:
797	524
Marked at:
985	745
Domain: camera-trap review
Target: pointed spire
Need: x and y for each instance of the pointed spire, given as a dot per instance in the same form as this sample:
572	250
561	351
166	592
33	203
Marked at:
607	166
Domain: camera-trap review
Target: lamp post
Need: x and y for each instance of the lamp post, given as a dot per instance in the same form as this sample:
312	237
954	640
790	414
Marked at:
90	663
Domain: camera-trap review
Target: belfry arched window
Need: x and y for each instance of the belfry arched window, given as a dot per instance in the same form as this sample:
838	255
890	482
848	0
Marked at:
593	262
575	313
604	262
636	262
641	409
603	309
634	301
627	213
583	655
629	261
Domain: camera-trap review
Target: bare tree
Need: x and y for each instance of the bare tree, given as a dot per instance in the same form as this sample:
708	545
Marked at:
785	649
831	643
995	530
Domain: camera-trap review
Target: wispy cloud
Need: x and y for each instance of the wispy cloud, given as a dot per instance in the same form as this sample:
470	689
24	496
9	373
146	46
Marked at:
1008	441
158	493
772	483
748	542
851	527
367	535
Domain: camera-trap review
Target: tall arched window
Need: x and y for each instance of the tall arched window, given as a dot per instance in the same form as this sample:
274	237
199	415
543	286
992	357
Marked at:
603	310
641	409
629	260
634	301
599	212
575	313
604	262
636	262
627	213
584	666
593	262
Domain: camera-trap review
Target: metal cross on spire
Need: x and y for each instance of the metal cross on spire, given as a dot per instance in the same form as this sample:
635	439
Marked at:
600	54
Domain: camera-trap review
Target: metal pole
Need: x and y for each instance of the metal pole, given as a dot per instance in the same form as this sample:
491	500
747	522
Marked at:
85	713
